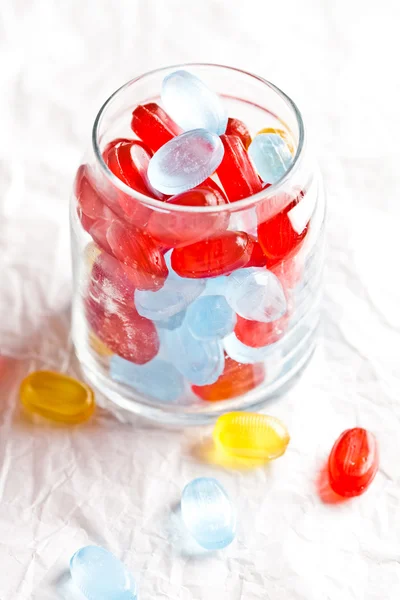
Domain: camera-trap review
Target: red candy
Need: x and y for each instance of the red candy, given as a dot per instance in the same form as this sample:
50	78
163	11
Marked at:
353	462
238	128
236	171
90	200
110	281
278	239
257	258
175	229
236	379
152	125
214	256
137	250
257	335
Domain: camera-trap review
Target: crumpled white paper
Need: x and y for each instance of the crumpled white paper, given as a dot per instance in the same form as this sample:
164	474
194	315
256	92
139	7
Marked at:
117	483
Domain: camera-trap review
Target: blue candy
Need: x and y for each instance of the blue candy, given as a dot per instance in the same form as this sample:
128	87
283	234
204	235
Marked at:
256	294
216	286
246	354
201	362
173	298
208	513
173	322
210	317
99	575
185	161
191	104
156	378
270	155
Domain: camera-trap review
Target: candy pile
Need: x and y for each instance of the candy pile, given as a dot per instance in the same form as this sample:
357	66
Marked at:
185	299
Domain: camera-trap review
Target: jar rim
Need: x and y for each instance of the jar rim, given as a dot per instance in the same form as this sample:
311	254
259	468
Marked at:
162	206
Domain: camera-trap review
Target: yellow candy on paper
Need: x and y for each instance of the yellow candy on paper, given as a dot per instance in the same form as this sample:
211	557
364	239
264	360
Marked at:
285	135
57	397
251	435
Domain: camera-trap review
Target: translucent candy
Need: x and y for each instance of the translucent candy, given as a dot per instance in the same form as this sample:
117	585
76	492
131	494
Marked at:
57	397
257	258
172	322
238	128
284	135
256	334
185	161
174	297
99	575
210	317
208	513
97	345
201	362
353	462
192	104
256	294
153	126
278	239
246	354
110	282
216	286
236	379
236	171
156	378
251	435
271	156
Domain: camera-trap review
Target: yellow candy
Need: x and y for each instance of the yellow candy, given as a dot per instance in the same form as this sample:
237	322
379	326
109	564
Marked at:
57	397
251	435
97	345
284	135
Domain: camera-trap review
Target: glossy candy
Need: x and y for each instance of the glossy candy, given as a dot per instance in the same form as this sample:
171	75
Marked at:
256	294
110	282
57	397
215	256
353	462
153	126
192	104
284	135
172	322
236	379
247	354
236	171
238	128
271	156
156	378
251	435
278	238
174	297
210	317
185	161
256	334
99	575
208	513
257	258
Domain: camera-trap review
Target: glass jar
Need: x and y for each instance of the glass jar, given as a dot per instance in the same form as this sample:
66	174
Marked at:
134	325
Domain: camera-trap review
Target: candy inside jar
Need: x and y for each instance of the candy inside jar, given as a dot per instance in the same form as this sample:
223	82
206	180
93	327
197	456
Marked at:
204	285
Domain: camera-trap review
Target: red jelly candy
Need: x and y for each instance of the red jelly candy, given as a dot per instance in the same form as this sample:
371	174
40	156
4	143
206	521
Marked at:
278	239
90	200
138	251
214	256
152	125
236	379
257	258
175	229
238	128
109	281
236	171
256	334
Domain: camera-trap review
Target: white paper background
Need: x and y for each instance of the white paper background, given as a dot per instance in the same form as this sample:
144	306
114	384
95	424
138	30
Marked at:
113	484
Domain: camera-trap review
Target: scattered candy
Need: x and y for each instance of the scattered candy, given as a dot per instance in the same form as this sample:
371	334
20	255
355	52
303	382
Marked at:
271	156
153	126
208	513
185	161
256	294
236	171
99	575
174	297
353	462
156	378
251	435
57	397
192	104
238	128
257	335
236	379
210	317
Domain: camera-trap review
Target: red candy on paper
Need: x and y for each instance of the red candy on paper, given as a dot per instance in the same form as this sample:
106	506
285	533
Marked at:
238	128
236	171
153	126
213	256
138	251
257	335
235	380
353	462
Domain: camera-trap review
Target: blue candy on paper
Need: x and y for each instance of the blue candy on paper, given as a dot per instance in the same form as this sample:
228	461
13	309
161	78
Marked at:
175	295
157	378
185	161
210	317
99	575
208	513
191	104
256	294
271	156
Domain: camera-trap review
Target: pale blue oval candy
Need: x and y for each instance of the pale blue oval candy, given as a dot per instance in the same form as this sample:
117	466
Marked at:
99	575
271	156
210	317
172	322
191	104
208	513
156	378
216	286
201	362
185	161
256	294
174	297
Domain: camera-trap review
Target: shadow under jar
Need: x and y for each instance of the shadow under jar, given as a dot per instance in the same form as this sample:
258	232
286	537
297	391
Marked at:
183	311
